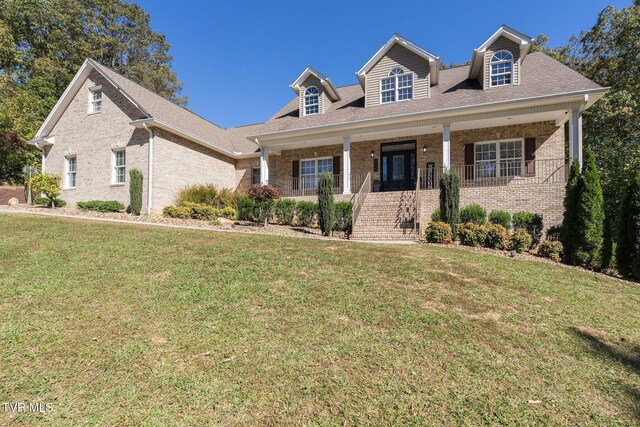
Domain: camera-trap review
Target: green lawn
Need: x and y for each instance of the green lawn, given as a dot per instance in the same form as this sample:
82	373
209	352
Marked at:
133	325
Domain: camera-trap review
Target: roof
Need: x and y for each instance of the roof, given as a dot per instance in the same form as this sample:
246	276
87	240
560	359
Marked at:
325	81
434	61
542	76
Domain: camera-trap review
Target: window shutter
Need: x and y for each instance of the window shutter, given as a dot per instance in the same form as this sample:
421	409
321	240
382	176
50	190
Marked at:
469	161
530	156
336	171
295	174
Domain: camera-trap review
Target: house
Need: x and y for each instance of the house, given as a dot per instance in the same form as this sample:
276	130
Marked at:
498	123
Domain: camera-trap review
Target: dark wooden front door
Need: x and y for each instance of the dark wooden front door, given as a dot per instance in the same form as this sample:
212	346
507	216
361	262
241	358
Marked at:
398	168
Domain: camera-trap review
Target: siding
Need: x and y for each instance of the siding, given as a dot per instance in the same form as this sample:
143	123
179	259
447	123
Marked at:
398	56
323	100
502	43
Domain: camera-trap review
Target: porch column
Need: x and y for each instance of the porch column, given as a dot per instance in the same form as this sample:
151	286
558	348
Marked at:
264	165
346	165
575	136
446	146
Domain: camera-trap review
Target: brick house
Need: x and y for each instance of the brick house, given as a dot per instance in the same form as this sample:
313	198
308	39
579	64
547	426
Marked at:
499	123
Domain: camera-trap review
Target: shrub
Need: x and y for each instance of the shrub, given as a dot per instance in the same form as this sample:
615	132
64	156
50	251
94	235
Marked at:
181	212
521	240
438	232
343	215
500	217
306	213
135	191
589	216
264	196
471	234
101	206
554	232
473	213
285	211
435	216
207	194
47	184
201	212
628	249
228	213
450	199
43	201
326	210
551	249
246	209
496	236
531	222
569	217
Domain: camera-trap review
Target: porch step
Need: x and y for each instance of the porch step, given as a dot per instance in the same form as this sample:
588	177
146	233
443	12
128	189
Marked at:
386	216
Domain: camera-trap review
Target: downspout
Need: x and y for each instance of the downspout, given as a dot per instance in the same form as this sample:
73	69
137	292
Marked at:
150	170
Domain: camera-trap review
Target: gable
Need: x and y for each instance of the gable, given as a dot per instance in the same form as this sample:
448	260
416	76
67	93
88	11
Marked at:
502	43
323	98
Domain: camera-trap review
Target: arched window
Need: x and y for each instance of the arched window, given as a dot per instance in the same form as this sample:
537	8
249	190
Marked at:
397	87
501	68
311	101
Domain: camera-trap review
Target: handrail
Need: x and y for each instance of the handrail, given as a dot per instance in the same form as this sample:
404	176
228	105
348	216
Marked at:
415	215
358	198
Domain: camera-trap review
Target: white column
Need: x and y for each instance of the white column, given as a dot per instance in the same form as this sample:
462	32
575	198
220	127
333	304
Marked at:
446	147
575	136
346	165
264	165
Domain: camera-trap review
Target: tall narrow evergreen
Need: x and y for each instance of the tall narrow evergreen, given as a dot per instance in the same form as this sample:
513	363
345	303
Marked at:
590	215
135	191
326	212
450	199
628	249
568	231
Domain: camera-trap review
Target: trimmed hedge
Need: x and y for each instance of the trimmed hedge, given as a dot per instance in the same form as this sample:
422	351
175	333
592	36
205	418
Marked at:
473	213
496	237
43	201
344	216
228	212
551	249
181	212
285	211
471	234
200	211
438	232
500	217
521	240
306	213
101	206
246	209
531	222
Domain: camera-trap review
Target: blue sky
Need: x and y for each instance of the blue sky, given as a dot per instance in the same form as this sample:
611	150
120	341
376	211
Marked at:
237	58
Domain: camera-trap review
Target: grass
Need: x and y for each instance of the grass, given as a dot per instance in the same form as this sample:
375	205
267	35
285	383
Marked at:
133	325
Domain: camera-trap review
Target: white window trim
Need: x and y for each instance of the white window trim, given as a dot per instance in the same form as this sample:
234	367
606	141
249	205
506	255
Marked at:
113	166
67	171
492	74
497	160
90	98
304	101
395	89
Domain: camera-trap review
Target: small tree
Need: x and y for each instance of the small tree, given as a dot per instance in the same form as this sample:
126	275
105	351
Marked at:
135	191
450	199
628	249
589	215
568	230
264	196
326	212
47	184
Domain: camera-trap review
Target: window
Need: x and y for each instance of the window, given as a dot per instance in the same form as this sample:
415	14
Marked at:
72	166
119	166
95	99
310	169
498	159
501	68
311	101
255	176
397	87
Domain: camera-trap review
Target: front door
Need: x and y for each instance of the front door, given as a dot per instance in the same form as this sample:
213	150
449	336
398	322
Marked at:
398	166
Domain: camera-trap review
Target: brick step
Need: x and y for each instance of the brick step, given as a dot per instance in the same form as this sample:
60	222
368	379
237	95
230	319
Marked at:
375	222
382	236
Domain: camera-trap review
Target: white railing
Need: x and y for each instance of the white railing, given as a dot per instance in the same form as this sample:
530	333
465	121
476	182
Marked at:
307	185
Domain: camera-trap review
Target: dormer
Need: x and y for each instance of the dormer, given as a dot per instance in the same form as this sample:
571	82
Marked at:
315	92
399	71
496	63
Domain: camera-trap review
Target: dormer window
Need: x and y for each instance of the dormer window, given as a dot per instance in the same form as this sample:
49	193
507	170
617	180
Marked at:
501	68
397	87
311	101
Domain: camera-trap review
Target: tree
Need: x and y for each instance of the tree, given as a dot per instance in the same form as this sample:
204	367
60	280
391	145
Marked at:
47	184
589	215
569	219
264	196
135	191
450	199
326	212
628	249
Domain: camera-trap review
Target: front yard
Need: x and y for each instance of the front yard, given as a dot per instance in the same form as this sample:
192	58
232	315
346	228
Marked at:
126	325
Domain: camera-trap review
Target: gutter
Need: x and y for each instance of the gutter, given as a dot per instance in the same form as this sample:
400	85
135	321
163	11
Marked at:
422	115
149	170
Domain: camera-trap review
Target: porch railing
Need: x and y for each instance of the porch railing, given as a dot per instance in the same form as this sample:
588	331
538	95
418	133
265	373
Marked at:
307	185
531	172
358	198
